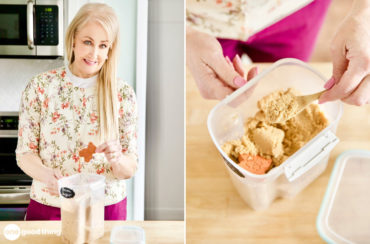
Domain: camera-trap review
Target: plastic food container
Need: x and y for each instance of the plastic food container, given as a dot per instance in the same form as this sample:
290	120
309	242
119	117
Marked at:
82	207
226	120
127	235
344	216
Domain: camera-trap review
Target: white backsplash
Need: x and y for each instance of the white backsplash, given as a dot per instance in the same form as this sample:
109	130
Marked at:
15	75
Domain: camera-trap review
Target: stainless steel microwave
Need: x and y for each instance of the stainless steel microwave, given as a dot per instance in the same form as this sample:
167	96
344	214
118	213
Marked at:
31	28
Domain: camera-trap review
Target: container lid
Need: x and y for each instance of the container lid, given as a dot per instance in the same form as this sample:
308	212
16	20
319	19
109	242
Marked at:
344	215
127	235
80	183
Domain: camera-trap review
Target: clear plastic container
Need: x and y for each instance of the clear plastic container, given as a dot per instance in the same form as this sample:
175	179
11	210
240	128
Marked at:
127	235
82	207
344	216
226	121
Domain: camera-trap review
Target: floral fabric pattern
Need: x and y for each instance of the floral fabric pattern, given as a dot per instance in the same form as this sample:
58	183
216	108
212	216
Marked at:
238	19
58	119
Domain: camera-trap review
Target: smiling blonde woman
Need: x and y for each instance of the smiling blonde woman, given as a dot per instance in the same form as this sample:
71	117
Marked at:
81	107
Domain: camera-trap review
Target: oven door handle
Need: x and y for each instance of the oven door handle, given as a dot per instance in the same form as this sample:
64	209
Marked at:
15	198
30	40
14	195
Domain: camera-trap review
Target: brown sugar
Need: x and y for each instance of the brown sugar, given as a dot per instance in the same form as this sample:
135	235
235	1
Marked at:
87	153
255	164
279	106
274	141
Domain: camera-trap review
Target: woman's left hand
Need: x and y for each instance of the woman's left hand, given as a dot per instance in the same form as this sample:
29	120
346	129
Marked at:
111	149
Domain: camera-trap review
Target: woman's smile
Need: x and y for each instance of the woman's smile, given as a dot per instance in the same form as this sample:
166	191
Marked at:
90	62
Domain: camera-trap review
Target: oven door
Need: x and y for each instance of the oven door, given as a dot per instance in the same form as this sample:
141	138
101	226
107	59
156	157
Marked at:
14	183
13	202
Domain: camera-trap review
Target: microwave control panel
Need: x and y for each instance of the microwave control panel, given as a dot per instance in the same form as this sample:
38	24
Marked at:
8	122
47	25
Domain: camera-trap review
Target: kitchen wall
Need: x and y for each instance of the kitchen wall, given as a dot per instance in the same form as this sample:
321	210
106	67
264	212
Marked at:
127	14
164	197
14	76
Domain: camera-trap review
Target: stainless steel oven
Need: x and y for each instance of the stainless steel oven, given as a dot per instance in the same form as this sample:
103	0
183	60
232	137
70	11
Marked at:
31	28
14	183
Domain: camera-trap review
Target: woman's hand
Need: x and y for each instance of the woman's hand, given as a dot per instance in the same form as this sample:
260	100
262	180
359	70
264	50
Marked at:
351	58
123	166
52	181
215	75
111	149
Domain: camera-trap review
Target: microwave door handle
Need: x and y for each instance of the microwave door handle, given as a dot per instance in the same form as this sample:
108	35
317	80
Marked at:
30	42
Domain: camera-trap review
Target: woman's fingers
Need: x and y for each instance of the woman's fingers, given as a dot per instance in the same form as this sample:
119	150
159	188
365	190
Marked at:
52	191
252	73
58	174
348	83
338	53
238	65
111	149
229	61
113	156
210	85
109	146
224	71
53	188
350	50
361	95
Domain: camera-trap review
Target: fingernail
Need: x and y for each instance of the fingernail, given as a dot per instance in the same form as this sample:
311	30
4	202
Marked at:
330	83
238	59
239	81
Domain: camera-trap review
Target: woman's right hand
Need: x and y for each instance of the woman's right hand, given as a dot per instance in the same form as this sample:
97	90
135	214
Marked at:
52	181
215	75
351	58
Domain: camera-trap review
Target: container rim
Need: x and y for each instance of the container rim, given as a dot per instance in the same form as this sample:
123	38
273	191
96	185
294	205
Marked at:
101	181
275	172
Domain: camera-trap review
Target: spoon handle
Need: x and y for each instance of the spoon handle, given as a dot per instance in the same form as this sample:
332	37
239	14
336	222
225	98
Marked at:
313	97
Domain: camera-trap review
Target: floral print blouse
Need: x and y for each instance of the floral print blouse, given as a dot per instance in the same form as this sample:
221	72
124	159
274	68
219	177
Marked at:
57	119
238	19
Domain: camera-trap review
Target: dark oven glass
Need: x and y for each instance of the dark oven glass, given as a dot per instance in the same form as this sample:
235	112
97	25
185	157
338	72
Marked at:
12	212
10	173
8	162
13	24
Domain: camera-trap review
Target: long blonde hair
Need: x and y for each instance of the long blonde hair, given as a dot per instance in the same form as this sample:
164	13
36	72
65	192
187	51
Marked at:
107	81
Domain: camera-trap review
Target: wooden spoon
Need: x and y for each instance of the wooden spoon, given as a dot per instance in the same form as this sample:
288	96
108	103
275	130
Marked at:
304	101
285	109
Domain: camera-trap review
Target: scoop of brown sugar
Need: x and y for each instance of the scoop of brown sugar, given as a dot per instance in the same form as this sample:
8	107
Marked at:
88	152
